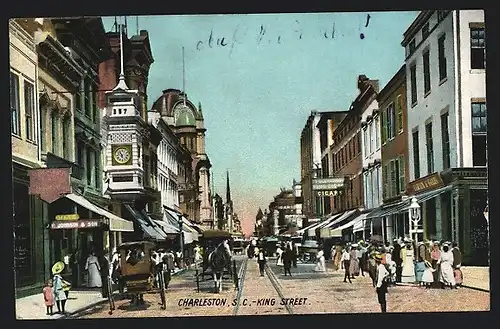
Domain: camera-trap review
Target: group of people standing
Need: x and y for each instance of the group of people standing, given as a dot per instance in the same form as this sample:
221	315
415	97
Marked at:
432	264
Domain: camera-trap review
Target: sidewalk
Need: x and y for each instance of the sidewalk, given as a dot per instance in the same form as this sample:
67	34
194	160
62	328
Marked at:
476	277
33	307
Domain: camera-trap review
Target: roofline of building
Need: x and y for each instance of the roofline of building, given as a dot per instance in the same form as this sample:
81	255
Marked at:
419	21
395	79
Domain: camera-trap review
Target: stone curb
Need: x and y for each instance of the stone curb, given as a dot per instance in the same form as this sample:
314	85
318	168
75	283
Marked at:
104	301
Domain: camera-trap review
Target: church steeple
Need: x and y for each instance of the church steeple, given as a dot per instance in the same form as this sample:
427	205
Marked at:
228	188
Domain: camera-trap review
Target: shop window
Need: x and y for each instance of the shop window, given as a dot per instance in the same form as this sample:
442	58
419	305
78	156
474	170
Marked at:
15	107
23	236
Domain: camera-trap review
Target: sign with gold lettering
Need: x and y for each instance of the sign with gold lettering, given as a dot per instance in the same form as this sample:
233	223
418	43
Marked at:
68	217
430	182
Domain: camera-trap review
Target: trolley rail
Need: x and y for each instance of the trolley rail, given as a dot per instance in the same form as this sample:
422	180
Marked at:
277	286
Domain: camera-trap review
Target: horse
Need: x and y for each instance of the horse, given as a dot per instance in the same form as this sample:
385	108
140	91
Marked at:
218	261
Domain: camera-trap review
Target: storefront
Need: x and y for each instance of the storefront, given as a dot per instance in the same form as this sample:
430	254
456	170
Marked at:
79	227
30	240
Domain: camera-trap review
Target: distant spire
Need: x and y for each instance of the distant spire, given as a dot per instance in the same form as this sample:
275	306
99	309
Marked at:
121	81
228	188
183	77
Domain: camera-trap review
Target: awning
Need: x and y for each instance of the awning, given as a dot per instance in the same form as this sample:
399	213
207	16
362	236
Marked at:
311	229
168	228
404	205
359	224
189	233
338	230
340	219
116	224
303	230
148	226
424	197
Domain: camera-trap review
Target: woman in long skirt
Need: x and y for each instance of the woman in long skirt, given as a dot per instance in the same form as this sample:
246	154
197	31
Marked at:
354	265
446	276
279	262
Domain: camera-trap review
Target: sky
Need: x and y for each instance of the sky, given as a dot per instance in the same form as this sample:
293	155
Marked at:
258	77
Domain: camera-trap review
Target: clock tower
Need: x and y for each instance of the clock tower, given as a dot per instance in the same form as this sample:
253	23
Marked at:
126	133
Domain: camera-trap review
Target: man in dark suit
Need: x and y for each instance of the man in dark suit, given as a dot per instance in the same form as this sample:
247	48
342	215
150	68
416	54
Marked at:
261	259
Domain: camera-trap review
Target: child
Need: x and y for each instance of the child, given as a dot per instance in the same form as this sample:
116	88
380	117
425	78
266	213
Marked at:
428	276
48	296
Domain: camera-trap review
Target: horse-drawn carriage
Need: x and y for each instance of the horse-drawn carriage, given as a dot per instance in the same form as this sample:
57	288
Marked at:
217	259
139	273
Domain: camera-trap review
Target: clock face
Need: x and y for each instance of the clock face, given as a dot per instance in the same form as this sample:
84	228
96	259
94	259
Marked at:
122	155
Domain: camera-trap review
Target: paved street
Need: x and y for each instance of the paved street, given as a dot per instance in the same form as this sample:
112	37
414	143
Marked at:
308	291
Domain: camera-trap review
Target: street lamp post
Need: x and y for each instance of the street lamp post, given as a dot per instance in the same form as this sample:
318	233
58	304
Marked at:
181	235
415	216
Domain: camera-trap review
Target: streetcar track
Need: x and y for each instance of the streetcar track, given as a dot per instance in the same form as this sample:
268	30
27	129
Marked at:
241	281
277	286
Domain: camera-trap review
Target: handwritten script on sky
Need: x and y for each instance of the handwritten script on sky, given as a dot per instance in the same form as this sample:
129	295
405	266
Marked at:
268	35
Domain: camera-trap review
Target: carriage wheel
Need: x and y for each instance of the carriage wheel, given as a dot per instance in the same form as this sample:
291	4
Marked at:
163	296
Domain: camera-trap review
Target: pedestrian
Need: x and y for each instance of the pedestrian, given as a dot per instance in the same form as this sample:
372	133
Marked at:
435	257
457	263
261	259
381	287
287	261
354	264
446	276
419	271
57	280
391	266
320	264
279	252
428	276
48	296
408	256
359	257
396	257
346	264
93	271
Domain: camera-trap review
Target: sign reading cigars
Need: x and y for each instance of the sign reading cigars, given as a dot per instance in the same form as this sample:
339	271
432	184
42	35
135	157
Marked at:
430	182
76	224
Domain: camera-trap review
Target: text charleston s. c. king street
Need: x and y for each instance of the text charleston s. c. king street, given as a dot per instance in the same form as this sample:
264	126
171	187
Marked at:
218	302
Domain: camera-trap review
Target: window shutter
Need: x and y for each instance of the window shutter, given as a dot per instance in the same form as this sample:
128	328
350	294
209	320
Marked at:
402	183
384	126
393	178
399	126
384	182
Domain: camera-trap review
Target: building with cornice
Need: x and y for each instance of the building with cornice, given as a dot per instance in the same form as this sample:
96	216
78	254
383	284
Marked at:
187	122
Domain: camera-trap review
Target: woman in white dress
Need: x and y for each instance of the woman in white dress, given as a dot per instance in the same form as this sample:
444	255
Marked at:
408	274
93	272
446	275
279	251
320	265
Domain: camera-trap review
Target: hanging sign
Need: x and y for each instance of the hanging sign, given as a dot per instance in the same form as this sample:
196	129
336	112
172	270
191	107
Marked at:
68	217
77	224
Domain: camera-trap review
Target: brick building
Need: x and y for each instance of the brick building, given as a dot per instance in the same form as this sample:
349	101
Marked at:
346	150
392	103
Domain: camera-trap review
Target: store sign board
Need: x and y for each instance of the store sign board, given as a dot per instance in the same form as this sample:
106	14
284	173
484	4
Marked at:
328	184
328	193
427	183
77	224
68	217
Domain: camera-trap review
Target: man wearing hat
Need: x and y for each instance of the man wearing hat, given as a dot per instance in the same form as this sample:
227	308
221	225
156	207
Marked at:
59	294
381	286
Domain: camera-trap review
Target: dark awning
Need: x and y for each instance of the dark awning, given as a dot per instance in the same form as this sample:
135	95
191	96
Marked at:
148	226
